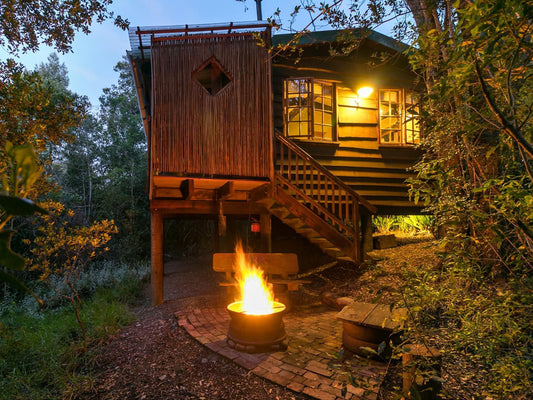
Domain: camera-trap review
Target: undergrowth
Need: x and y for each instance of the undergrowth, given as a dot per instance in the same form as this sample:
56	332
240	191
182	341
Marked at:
41	351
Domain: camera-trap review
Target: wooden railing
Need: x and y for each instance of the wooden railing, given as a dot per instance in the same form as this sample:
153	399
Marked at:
301	176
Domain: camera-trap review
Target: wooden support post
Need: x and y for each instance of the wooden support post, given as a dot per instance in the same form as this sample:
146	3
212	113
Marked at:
266	232
357	240
366	231
226	237
157	258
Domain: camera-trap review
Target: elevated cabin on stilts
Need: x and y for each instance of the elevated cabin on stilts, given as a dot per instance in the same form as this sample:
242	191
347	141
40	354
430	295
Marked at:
307	131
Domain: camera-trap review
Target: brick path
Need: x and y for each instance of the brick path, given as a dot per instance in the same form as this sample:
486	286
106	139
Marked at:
311	363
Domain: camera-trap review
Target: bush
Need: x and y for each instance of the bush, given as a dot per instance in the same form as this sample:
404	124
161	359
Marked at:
41	351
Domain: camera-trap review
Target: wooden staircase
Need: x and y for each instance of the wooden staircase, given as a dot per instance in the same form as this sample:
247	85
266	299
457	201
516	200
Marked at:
315	203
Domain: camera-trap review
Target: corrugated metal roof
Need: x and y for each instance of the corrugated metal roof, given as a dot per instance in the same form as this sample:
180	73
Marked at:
140	37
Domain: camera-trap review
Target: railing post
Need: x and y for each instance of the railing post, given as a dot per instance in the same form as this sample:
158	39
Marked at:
358	255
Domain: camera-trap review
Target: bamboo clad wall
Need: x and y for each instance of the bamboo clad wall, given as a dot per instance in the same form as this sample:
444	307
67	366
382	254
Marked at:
377	173
195	133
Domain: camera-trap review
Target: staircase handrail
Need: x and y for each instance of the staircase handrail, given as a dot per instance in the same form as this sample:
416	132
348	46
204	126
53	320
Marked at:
317	207
306	156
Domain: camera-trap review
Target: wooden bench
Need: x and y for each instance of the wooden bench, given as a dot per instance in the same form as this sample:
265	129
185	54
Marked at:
279	268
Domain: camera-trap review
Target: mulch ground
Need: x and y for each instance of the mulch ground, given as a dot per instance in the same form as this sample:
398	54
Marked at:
154	358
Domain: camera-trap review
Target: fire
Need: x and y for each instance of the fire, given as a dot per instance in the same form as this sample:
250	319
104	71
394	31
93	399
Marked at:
257	297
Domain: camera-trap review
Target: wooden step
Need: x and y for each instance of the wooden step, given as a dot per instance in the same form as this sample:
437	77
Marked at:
294	222
266	202
346	258
280	212
305	231
334	252
321	242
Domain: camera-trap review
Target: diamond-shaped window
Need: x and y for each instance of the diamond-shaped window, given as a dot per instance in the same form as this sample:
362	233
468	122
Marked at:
212	77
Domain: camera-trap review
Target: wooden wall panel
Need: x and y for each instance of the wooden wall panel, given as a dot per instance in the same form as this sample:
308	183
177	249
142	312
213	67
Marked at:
196	133
357	115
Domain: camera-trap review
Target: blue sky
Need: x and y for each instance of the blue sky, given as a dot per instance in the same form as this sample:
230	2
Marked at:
91	62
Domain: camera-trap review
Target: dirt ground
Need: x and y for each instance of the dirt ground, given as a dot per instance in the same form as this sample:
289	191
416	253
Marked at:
153	358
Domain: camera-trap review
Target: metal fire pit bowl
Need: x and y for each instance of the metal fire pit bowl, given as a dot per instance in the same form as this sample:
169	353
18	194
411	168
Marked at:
256	333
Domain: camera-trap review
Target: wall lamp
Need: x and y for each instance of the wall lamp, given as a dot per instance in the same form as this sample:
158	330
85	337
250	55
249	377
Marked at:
362	93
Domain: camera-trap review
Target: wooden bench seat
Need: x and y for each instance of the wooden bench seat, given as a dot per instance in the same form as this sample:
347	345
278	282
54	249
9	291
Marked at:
279	268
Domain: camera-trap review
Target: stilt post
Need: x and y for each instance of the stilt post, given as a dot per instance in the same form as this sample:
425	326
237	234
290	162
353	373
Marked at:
265	221
157	258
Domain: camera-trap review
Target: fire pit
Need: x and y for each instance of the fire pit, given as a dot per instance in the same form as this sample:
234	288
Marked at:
256	333
256	323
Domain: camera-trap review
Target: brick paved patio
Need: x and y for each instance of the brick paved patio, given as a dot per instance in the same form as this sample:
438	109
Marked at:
311	364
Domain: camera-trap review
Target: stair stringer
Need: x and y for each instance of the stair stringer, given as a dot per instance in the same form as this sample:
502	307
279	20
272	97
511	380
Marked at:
307	224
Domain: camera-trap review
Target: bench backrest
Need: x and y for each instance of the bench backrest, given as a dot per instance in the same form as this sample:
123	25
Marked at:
283	264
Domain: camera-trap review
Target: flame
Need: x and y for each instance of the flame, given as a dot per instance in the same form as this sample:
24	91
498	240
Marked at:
256	294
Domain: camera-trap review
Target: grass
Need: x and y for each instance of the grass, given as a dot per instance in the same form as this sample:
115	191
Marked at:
408	224
42	354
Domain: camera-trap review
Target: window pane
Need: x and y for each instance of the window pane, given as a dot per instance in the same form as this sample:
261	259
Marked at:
328	91
292	86
318	117
390	111
305	98
328	132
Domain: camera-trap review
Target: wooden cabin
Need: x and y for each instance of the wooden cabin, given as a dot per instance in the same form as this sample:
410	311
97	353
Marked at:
318	131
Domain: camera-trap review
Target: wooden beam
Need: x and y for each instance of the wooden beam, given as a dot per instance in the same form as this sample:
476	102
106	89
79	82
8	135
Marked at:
157	258
169	208
187	188
225	191
261	192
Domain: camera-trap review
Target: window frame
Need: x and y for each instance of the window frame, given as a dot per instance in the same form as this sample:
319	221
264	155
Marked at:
310	105
409	128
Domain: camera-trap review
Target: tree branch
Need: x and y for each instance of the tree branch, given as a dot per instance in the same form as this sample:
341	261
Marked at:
506	125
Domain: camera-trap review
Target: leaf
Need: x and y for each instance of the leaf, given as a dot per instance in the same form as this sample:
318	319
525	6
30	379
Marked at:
8	258
369	350
19	206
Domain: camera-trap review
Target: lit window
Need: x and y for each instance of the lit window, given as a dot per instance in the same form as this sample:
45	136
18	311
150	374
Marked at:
308	109
398	117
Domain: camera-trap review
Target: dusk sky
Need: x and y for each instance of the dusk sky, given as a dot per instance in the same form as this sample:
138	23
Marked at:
91	62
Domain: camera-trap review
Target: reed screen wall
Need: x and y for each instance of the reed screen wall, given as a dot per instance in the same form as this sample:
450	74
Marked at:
197	133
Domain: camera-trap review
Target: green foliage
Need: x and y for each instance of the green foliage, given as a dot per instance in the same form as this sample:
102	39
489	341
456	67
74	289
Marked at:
34	110
26	24
39	353
411	224
62	250
20	173
476	178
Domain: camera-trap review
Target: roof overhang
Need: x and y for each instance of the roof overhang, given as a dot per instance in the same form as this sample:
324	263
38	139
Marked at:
338	36
142	37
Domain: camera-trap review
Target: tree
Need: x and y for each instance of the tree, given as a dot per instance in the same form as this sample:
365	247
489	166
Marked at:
122	196
25	24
